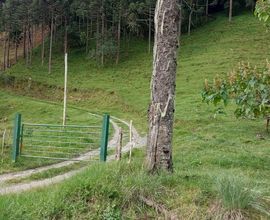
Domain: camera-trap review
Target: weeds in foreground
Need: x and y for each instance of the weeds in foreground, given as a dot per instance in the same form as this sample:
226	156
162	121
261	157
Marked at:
236	197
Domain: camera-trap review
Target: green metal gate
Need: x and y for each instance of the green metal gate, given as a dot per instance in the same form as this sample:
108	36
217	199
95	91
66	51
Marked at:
56	142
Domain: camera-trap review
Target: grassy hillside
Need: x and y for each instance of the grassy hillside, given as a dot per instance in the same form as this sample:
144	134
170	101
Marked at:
206	148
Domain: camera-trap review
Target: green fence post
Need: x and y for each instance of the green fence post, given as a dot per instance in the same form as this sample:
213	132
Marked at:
16	137
104	137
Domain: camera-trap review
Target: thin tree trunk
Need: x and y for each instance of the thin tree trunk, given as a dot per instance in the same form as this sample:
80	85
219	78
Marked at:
161	111
16	48
79	25
5	54
150	29
189	21
87	36
8	51
230	10
24	43
65	37
196	14
16	52
54	30
103	35
43	44
206	9
30	44
97	38
91	28
51	42
118	38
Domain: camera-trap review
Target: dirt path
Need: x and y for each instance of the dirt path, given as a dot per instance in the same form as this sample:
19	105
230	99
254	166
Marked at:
138	141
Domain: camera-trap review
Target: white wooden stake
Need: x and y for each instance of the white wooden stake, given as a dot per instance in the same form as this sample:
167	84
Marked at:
118	154
3	144
130	141
65	91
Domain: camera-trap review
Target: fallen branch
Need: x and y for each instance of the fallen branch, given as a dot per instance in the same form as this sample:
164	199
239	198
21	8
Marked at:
159	208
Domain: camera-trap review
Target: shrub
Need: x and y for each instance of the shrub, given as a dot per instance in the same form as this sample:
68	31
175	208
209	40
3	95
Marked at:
248	86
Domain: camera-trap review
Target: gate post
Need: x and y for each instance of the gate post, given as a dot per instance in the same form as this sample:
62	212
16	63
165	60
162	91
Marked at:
104	137
16	137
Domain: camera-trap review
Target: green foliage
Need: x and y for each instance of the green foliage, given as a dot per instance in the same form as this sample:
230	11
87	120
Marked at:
262	10
248	86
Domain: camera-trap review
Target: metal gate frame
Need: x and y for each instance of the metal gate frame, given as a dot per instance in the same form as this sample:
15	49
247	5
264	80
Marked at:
18	137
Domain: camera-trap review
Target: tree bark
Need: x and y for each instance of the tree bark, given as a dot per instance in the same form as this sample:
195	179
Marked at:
230	10
161	110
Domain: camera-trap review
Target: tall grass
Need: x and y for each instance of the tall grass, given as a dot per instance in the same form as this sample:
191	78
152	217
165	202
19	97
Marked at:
237	195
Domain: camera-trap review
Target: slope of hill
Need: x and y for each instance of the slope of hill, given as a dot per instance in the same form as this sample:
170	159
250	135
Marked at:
205	147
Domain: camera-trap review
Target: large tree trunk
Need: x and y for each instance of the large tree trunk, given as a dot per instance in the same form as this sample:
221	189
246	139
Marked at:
51	42
161	111
230	10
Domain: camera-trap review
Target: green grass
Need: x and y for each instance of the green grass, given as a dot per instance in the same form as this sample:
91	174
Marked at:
204	146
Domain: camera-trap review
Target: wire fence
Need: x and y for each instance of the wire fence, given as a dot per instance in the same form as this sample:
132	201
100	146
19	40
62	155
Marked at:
58	142
5	142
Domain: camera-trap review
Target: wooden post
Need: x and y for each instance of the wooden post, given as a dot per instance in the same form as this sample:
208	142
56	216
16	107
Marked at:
65	91
130	141
3	144
118	154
